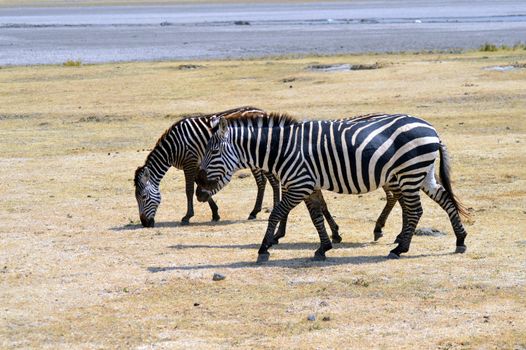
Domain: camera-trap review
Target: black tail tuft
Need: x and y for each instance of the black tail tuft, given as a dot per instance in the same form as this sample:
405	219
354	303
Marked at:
445	179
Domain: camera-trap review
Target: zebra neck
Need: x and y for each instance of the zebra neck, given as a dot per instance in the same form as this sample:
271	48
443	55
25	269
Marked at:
265	148
158	167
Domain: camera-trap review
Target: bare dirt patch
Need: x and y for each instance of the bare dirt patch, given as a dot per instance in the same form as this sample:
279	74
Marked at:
78	271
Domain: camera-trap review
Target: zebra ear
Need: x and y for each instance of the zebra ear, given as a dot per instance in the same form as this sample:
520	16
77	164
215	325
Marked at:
214	121
223	127
145	176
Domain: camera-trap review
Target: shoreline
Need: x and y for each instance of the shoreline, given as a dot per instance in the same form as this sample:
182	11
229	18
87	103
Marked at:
233	31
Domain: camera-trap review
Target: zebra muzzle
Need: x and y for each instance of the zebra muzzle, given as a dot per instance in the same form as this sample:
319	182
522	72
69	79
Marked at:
201	194
147	222
203	181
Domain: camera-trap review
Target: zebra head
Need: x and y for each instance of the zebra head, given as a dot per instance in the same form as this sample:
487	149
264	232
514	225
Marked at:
147	195
221	159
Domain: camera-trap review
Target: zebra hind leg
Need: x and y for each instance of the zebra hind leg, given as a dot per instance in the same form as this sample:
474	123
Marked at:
314	204
404	223
412	208
391	198
336	238
437	193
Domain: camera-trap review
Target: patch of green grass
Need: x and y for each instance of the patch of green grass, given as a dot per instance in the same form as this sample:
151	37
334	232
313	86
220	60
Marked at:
72	63
489	47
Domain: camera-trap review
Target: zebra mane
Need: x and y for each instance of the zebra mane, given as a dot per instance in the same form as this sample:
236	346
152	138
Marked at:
248	112
281	119
362	117
136	176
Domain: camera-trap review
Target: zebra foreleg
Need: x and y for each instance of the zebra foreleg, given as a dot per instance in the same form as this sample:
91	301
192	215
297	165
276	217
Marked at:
336	238
412	208
261	181
215	209
314	204
279	213
189	177
391	199
276	187
282	228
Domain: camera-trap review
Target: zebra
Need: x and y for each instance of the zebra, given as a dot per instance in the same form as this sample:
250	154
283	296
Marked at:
182	146
393	151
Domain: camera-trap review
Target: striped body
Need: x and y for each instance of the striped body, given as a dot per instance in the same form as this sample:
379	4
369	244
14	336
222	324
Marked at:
359	155
348	156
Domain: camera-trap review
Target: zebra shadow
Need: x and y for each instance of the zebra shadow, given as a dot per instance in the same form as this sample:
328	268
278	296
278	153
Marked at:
173	224
281	246
295	263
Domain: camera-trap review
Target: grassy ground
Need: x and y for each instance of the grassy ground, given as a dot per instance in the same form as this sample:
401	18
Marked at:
77	271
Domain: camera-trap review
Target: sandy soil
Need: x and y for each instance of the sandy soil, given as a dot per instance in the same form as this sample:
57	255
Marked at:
78	271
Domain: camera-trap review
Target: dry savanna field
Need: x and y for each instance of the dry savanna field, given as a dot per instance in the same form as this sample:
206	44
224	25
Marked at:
78	271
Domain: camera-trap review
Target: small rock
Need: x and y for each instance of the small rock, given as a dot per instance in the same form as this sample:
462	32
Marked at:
196	304
326	318
218	277
243	175
324	304
311	317
429	232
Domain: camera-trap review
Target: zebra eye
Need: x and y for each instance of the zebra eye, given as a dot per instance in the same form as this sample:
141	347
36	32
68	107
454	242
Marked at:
144	197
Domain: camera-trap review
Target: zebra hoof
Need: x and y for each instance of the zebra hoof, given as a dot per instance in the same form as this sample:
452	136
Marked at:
251	217
393	256
319	257
263	258
336	239
378	235
216	218
461	249
185	222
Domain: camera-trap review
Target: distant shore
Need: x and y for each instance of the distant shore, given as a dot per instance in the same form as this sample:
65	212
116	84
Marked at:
98	34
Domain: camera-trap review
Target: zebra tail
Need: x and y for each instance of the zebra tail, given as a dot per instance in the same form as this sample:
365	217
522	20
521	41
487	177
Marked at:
445	179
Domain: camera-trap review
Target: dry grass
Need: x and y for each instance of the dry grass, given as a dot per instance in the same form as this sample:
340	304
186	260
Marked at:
76	271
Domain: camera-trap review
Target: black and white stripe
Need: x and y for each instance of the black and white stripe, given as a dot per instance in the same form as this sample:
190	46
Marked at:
396	152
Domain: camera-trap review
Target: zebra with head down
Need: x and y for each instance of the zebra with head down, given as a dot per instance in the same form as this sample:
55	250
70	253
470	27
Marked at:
396	152
182	146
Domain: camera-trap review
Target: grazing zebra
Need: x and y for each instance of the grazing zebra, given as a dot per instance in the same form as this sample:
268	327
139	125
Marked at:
396	152
182	146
